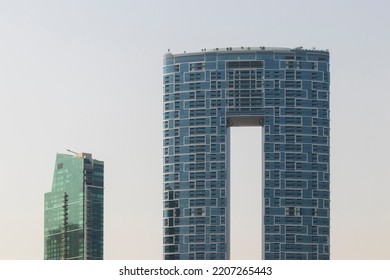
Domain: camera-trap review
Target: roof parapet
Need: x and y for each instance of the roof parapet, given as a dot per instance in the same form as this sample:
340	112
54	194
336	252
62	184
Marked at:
244	49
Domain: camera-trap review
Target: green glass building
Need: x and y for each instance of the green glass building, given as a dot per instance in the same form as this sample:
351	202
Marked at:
74	209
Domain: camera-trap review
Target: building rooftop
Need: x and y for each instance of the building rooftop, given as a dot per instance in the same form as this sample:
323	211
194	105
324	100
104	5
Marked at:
243	49
80	155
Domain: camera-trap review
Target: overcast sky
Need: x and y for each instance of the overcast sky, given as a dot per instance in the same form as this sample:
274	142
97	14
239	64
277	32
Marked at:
86	75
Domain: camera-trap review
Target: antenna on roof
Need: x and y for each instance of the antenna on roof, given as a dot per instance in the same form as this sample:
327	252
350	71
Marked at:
70	151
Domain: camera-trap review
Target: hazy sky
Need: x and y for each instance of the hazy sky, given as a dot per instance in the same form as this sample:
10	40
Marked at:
87	76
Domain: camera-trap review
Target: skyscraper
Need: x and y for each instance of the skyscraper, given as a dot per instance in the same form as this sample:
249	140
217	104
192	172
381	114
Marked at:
74	209
286	92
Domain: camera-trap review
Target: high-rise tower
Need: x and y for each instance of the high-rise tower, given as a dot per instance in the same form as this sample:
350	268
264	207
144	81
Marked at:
286	92
74	209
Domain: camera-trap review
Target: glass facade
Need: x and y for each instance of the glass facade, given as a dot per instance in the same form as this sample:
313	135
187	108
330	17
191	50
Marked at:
286	92
74	209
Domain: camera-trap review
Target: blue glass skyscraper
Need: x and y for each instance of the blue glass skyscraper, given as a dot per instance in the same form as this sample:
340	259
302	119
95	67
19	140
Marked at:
286	92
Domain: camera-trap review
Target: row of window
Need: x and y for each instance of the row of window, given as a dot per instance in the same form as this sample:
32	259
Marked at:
306	93
288	74
297	229
194	229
